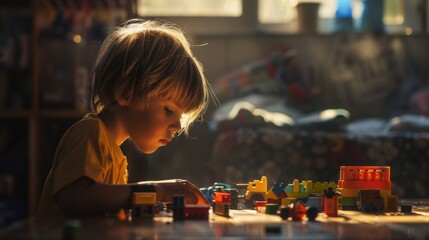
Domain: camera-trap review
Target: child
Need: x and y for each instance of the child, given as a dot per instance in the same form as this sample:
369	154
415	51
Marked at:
146	86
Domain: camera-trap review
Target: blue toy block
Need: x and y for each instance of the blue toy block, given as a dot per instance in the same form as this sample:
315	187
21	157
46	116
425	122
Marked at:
278	188
316	202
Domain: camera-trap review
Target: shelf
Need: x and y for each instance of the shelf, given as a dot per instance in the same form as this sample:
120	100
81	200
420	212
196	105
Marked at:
13	114
62	114
53	114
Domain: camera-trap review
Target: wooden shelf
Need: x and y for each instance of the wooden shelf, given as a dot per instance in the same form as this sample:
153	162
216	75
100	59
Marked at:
53	114
14	114
62	114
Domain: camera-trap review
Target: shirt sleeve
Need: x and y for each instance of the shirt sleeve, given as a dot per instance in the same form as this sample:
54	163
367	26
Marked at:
80	153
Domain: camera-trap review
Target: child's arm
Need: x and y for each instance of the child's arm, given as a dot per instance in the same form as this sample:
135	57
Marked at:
87	197
166	189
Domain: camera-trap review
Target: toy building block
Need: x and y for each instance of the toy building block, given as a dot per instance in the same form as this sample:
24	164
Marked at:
272	197
261	206
278	188
271	208
385	192
370	200
144	198
356	178
330	202
256	191
381	185
348	203
320	187
348	192
143	204
365	177
405	208
288	201
295	187
308	185
196	212
391	203
276	193
304	189
178	208
221	197
221	203
316	202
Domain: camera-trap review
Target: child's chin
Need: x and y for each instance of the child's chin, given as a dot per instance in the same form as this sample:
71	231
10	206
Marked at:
147	150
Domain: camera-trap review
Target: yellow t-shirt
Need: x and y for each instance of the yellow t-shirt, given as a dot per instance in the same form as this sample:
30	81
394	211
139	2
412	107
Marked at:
86	149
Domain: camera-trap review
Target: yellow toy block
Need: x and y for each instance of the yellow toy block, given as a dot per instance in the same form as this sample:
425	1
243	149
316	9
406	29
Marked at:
295	186
287	201
309	186
347	192
391	203
318	187
297	195
258	185
386	192
144	198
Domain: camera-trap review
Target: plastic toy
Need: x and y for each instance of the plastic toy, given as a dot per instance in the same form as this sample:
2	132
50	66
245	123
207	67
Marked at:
178	208
261	206
370	200
256	191
143	204
217	187
330	202
271	208
197	212
221	203
297	212
356	178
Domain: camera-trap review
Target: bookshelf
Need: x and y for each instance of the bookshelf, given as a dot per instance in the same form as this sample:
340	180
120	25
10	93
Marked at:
47	50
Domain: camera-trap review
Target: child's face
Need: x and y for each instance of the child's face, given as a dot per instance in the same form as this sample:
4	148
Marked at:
153	126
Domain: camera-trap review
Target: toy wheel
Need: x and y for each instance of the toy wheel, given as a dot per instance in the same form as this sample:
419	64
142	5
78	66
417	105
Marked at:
285	212
312	213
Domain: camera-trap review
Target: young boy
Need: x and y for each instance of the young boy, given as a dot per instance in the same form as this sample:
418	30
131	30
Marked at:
146	86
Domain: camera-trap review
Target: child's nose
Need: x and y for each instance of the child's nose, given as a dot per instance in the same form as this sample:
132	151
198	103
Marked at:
175	126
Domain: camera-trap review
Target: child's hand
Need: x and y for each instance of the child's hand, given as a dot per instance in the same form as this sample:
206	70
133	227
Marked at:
166	189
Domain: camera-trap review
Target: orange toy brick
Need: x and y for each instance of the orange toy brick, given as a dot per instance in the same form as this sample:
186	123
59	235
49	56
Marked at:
222	197
365	177
221	203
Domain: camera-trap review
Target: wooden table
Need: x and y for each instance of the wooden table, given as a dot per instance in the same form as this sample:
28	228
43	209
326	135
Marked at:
243	224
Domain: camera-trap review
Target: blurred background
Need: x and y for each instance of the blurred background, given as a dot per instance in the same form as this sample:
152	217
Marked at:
304	87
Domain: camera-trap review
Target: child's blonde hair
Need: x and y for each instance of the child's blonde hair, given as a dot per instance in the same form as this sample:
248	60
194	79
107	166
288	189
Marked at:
142	59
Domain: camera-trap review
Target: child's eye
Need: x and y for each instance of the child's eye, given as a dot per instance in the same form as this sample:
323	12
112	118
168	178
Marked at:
167	110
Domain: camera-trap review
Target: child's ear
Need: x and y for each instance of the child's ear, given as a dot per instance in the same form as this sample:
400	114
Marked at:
122	102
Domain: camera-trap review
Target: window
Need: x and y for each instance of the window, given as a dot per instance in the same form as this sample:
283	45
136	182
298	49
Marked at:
190	8
284	11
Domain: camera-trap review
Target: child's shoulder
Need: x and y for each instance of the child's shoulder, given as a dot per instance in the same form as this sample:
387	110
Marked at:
90	124
89	121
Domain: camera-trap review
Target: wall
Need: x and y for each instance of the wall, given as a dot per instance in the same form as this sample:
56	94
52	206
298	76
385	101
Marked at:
225	44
